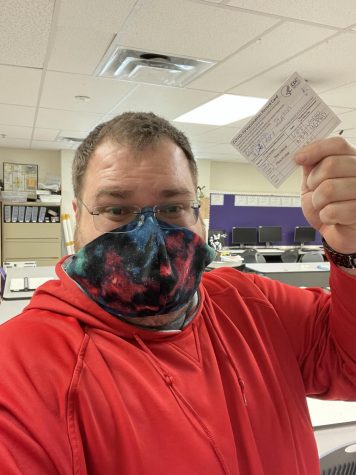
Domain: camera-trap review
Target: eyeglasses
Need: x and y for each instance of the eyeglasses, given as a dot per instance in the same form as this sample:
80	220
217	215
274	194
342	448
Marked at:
109	217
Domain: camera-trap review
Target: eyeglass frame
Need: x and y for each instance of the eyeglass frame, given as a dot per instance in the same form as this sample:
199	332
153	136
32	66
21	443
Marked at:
141	212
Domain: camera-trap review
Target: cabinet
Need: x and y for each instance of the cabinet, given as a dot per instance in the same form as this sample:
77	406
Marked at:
33	235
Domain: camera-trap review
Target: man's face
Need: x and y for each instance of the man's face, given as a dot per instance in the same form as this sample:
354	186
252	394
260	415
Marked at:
117	174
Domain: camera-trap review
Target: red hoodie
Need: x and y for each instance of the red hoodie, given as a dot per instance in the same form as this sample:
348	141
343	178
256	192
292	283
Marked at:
82	392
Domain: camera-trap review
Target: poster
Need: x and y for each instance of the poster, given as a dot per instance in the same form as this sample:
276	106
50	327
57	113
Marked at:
21	177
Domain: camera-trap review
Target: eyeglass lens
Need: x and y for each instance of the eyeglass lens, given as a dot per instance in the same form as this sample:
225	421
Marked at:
109	218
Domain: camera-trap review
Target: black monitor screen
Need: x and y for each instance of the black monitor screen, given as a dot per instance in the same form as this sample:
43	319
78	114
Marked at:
304	234
244	236
268	234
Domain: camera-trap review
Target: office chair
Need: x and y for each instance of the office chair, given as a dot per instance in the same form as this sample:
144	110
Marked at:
312	256
251	255
290	255
339	462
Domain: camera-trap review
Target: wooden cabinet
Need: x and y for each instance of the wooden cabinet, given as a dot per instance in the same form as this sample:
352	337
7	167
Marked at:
32	241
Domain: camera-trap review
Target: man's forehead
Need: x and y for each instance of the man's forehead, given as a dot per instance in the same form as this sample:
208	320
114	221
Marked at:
110	145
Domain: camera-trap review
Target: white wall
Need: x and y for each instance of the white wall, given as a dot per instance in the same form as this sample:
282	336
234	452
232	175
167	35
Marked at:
204	176
66	177
238	177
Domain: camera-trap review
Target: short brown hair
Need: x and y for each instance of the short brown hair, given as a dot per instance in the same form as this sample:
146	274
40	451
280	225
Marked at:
136	129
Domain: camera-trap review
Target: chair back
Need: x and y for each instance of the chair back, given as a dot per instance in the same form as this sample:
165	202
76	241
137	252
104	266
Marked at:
312	256
290	255
251	255
339	462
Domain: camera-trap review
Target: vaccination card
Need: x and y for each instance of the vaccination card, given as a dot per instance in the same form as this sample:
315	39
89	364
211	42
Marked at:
293	117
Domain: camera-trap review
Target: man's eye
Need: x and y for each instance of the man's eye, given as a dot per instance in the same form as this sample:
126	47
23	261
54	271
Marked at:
173	209
115	211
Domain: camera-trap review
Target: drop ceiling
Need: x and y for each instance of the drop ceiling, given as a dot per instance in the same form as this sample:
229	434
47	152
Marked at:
51	49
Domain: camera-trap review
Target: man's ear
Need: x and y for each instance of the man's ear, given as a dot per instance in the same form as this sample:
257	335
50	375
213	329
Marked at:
75	207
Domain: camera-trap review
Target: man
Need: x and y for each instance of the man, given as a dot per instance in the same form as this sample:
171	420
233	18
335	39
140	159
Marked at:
131	363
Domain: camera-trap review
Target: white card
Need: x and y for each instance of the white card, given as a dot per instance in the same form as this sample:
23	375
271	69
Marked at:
293	117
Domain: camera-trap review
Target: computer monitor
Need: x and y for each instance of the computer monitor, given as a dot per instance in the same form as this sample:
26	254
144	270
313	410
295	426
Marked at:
269	234
243	236
303	234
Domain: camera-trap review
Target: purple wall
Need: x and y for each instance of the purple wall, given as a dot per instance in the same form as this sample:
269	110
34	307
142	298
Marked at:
227	216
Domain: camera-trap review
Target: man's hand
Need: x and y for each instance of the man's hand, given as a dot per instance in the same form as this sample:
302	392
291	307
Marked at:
329	191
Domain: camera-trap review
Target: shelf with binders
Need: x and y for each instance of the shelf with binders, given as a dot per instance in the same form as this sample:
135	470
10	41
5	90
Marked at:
31	231
30	213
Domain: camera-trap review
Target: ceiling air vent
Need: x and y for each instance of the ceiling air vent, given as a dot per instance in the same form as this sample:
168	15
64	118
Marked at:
70	139
152	68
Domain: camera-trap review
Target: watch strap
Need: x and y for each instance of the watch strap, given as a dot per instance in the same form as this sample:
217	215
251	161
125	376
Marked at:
343	260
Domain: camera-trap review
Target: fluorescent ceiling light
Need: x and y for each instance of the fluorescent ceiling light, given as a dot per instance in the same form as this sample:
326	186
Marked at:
223	110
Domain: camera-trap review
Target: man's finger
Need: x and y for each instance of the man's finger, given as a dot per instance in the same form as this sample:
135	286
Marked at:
335	190
316	151
337	166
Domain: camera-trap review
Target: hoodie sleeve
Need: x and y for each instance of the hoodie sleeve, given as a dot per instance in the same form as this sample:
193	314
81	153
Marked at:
37	362
322	331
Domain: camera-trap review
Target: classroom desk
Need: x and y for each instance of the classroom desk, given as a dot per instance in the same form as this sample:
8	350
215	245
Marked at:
334	423
226	261
17	273
309	274
275	251
11	308
13	302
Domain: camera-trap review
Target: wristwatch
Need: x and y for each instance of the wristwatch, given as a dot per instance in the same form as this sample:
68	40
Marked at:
343	260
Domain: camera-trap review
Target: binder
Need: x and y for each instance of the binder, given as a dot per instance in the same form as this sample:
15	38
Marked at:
34	214
15	213
42	214
21	217
7	214
28	214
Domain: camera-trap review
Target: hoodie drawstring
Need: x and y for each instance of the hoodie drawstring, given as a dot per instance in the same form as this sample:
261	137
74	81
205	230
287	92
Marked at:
169	380
232	362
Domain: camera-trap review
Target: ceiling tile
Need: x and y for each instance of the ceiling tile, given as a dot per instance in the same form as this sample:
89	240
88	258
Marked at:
50	145
14	132
193	130
192	29
348	120
74	133
45	134
78	50
19	86
169	102
217	149
60	89
221	157
273	47
16	115
344	96
340	110
325	66
106	15
219	135
15	143
54	119
24	32
328	12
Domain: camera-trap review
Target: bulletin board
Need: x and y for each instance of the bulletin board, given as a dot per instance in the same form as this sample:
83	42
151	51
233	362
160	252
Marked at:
21	177
252	210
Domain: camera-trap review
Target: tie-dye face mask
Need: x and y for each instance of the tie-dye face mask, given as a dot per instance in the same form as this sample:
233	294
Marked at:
142	271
